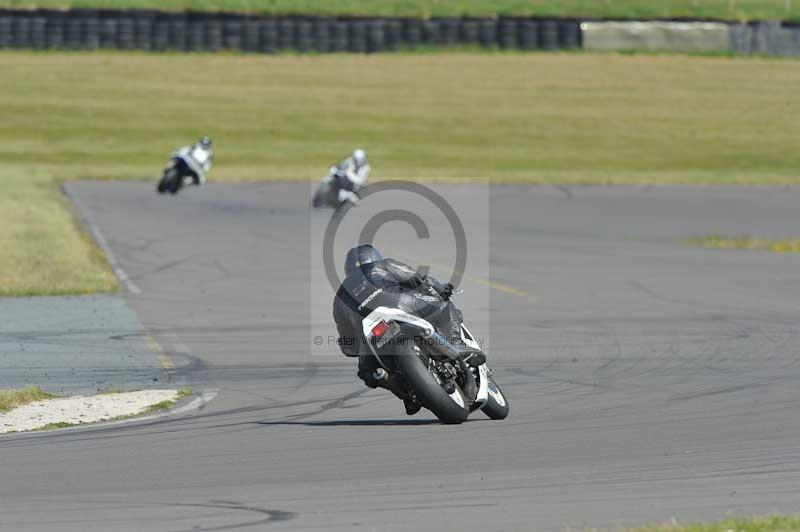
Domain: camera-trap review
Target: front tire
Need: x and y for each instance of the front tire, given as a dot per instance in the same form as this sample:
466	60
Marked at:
171	182
430	393
496	406
322	196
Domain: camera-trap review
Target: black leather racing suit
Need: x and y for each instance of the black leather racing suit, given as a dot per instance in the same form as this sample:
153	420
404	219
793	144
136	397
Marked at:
393	284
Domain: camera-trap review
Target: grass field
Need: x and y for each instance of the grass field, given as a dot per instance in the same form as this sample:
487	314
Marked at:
576	118
13	398
786	245
724	9
773	523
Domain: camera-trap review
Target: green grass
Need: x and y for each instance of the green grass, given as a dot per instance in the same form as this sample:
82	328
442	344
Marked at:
723	9
513	117
13	398
773	523
786	245
167	404
57	425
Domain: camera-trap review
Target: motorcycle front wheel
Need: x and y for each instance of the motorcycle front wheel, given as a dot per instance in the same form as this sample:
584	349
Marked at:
322	196
170	182
496	406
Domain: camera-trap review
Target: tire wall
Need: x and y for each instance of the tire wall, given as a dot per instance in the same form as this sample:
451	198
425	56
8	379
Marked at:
152	30
89	29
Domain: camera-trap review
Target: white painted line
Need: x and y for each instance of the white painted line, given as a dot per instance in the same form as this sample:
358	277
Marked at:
198	402
102	243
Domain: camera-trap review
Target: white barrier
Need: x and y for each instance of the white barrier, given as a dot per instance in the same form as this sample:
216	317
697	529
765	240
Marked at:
656	36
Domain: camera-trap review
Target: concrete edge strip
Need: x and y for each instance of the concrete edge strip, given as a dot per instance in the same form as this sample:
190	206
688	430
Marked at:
102	243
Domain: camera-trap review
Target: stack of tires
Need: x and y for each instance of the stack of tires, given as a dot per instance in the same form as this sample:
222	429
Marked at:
87	29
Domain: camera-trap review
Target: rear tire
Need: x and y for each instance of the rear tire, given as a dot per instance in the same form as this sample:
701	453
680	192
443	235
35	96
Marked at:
496	406
430	392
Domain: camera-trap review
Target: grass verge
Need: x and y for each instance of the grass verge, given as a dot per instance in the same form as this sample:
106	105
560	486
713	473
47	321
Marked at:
57	425
722	9
773	523
166	405
511	117
10	399
786	245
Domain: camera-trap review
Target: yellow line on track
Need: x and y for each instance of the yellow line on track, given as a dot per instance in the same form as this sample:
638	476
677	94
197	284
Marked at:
163	358
485	282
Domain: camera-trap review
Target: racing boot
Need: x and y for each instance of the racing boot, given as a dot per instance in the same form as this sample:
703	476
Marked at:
412	407
384	380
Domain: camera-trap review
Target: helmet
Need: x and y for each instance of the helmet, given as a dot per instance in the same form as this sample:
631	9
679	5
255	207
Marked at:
360	157
360	255
205	141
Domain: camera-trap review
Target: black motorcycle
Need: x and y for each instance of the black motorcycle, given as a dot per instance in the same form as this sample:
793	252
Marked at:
433	372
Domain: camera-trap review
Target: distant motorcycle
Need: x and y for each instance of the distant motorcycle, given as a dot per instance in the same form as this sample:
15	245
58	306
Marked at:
333	192
177	174
187	166
432	370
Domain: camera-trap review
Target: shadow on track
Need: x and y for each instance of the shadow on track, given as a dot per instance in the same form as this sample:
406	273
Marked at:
356	422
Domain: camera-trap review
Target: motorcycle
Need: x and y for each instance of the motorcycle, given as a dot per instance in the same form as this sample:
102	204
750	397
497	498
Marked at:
432	371
327	194
177	174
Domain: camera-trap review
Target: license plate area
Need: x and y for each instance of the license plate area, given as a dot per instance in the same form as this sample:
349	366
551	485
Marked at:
390	334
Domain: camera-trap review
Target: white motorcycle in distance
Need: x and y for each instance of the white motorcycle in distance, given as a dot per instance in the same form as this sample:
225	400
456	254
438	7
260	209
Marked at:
433	371
333	192
343	181
188	166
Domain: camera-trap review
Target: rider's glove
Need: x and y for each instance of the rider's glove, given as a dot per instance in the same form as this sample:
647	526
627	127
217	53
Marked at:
447	291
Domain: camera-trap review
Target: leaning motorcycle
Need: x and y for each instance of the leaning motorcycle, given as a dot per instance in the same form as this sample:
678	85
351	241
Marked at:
433	372
327	194
177	174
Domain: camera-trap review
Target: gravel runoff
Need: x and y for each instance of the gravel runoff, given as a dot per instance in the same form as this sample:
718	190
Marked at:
81	409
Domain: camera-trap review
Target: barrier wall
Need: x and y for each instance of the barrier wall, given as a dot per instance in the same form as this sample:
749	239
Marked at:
656	36
84	29
194	31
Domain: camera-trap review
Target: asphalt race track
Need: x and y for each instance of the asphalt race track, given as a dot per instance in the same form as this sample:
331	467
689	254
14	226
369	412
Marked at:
648	379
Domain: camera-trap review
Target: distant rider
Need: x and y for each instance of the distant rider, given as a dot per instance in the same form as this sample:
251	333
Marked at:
372	281
350	175
195	160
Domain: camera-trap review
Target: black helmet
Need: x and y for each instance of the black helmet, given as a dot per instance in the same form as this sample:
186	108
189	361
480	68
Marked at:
205	141
363	254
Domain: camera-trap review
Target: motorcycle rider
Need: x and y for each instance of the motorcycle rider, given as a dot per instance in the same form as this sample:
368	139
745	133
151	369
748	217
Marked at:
372	281
195	160
350	175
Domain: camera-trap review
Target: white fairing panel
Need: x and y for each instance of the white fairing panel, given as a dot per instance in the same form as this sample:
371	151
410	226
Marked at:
483	385
388	314
468	338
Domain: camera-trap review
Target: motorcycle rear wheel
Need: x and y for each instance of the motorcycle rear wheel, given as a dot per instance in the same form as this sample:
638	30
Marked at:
449	408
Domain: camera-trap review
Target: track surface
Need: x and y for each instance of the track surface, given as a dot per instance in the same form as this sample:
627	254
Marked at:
647	379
